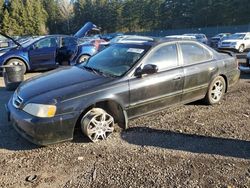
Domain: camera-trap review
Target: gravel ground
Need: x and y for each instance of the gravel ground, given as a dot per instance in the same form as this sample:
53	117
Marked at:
192	145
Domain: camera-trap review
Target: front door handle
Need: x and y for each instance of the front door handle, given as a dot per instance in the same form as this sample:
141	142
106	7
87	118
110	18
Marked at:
178	77
212	69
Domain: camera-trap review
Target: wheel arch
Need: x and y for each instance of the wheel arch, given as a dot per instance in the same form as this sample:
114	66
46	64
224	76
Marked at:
112	107
20	58
226	81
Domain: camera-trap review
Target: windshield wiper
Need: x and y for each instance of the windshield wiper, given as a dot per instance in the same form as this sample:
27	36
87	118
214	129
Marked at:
98	71
91	69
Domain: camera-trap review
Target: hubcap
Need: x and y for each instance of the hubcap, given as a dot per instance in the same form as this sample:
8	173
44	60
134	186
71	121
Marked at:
83	58
98	125
16	63
241	49
217	90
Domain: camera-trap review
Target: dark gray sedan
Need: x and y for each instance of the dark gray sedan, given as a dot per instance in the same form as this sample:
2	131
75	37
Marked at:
124	81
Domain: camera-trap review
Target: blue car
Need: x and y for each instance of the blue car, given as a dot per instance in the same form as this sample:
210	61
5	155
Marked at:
39	53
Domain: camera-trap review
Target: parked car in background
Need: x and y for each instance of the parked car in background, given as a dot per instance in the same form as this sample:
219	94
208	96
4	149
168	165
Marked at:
237	42
124	39
124	81
246	68
38	53
217	38
199	36
110	36
181	37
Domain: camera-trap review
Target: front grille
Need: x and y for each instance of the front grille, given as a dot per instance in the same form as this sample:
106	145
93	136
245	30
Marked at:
17	101
226	43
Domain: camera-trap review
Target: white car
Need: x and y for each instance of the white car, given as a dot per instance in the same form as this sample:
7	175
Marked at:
237	41
199	36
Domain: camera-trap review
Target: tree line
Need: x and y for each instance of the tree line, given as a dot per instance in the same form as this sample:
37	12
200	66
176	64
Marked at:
38	17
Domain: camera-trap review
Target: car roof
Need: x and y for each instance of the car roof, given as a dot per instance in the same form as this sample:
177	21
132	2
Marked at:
153	41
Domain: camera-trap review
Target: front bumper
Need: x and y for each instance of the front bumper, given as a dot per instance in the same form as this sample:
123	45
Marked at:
42	131
233	48
244	69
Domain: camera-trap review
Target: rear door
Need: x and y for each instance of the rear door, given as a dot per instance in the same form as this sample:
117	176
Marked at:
199	68
43	52
154	92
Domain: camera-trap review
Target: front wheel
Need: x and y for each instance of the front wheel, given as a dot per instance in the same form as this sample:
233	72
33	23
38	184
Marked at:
97	124
83	58
241	48
216	90
17	62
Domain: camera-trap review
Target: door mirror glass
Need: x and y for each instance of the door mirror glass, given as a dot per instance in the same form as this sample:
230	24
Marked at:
147	69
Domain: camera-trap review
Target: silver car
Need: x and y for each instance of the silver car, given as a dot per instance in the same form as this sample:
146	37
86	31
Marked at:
237	41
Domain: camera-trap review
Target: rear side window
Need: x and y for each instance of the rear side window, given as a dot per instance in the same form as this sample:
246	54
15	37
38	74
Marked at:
194	53
164	57
46	43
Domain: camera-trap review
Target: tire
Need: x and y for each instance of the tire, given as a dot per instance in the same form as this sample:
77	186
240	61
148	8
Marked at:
97	124
83	58
17	62
241	48
216	90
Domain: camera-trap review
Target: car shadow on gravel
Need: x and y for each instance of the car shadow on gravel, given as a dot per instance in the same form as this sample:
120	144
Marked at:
186	142
9	138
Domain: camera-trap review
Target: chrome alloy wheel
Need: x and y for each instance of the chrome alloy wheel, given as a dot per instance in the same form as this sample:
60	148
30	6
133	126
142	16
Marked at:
97	124
217	90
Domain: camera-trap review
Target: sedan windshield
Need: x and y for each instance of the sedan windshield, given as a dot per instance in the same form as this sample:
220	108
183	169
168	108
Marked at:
116	60
237	36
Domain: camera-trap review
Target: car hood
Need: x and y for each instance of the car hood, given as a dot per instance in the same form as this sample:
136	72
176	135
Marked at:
85	29
66	77
17	43
232	40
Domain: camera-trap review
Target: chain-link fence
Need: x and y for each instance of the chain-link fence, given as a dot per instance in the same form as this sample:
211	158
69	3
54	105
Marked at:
209	31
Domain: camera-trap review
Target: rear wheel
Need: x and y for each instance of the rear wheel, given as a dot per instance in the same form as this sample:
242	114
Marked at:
97	124
17	62
83	58
241	48
215	91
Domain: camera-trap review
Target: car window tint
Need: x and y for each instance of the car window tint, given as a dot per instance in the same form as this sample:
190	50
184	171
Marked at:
46	43
164	57
193	53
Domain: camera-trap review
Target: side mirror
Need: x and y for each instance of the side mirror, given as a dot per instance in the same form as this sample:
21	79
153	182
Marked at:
147	69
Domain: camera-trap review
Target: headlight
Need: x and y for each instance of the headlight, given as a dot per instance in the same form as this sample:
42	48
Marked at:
40	110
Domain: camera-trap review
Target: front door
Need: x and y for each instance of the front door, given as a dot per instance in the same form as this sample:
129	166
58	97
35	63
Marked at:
43	52
156	91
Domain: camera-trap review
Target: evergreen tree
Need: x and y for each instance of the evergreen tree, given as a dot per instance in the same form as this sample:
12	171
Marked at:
6	24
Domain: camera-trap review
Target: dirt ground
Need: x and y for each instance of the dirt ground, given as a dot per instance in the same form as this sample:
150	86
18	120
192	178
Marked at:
192	145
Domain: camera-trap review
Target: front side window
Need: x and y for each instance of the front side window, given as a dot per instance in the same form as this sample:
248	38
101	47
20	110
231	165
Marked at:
194	53
46	43
116	60
164	57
